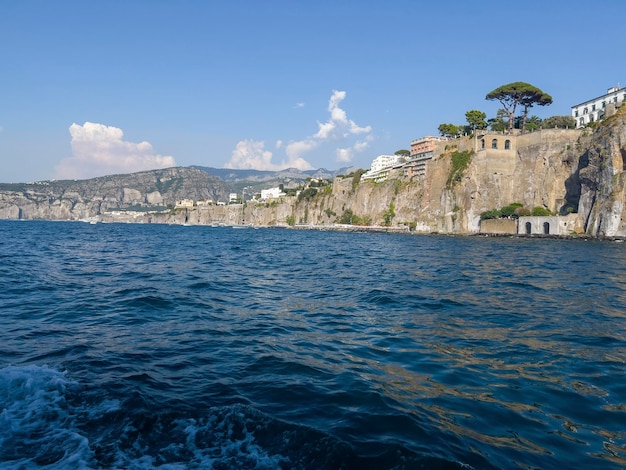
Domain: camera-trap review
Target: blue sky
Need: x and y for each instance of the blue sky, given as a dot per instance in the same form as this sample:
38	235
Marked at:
94	88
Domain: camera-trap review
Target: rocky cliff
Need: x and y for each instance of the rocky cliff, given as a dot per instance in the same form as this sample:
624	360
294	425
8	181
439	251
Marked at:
81	199
602	180
564	171
533	171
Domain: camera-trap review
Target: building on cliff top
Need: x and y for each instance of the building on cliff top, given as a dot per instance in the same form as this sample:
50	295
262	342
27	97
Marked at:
381	166
422	150
272	193
596	108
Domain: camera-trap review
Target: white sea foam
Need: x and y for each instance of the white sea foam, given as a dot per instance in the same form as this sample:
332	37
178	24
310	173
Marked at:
36	425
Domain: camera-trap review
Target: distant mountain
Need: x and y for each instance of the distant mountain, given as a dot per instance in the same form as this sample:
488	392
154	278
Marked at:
76	199
264	179
142	191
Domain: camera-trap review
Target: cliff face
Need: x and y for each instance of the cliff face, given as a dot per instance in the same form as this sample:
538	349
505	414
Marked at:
74	200
602	181
534	171
564	171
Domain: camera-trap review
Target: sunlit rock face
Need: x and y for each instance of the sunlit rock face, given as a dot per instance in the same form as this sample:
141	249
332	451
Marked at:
602	180
578	172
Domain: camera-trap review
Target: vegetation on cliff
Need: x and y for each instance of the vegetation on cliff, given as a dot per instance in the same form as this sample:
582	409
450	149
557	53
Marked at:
460	162
517	94
515	210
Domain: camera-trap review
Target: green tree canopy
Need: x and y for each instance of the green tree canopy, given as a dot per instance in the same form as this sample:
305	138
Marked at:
498	124
533	123
560	122
529	100
449	130
476	119
518	93
402	153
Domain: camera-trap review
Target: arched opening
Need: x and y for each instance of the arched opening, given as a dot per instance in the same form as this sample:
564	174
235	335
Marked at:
529	228
482	143
507	144
494	144
546	228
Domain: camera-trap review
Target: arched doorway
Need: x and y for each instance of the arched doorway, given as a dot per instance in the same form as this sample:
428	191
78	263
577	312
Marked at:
494	144
507	144
529	228
546	228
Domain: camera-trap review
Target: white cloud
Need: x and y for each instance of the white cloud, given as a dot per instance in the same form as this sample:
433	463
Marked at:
251	154
99	150
338	128
299	105
345	155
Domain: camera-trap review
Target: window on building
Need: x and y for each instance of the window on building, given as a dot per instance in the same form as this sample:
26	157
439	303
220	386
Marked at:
582	121
593	107
576	114
494	144
615	99
507	144
604	104
482	143
585	111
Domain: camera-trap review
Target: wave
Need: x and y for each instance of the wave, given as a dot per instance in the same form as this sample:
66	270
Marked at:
48	421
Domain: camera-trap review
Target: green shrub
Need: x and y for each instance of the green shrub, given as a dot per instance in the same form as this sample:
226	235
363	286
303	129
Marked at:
356	178
389	215
540	211
491	214
460	162
509	211
307	194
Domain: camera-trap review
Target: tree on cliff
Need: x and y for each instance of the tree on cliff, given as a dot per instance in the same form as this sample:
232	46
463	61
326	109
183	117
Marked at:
448	130
498	124
476	119
529	100
562	122
402	153
518	93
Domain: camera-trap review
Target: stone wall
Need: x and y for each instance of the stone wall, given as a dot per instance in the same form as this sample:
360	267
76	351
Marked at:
498	226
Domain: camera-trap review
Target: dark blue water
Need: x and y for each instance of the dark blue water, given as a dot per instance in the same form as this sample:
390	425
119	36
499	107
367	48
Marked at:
146	346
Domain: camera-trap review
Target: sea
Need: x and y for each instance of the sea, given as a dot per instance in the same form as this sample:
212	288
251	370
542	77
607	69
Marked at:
129	346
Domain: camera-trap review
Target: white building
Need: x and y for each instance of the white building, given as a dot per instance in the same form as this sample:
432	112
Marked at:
381	166
232	197
271	193
184	203
593	110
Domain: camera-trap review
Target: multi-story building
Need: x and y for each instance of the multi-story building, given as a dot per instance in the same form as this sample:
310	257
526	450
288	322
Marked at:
422	150
381	166
594	109
425	145
272	193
